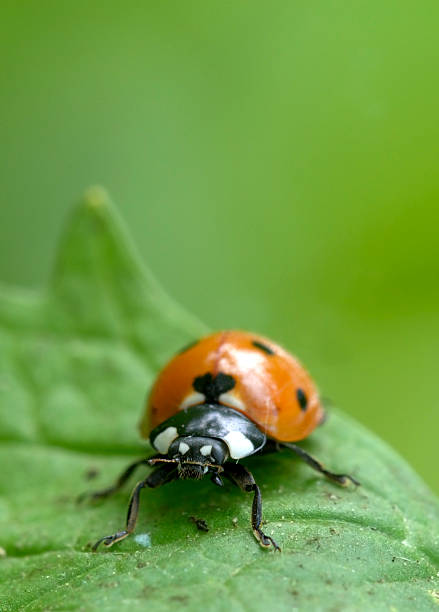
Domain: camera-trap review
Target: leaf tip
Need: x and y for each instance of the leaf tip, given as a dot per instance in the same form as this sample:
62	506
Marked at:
96	197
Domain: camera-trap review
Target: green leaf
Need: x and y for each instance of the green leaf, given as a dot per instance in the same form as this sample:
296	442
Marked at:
76	362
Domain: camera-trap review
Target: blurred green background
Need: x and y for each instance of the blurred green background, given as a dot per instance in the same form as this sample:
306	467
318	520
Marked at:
276	162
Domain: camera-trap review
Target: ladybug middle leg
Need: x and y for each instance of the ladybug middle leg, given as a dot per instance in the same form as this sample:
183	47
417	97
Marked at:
341	479
160	476
240	476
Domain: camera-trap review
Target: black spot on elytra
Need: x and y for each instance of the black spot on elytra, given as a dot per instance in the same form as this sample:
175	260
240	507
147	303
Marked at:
302	399
213	386
263	347
187	347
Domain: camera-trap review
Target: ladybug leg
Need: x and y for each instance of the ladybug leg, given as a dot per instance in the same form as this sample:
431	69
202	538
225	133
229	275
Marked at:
270	446
117	485
160	476
341	479
240	476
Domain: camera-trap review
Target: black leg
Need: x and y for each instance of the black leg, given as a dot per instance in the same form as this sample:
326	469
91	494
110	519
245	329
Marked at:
160	476
270	446
239	475
117	485
341	479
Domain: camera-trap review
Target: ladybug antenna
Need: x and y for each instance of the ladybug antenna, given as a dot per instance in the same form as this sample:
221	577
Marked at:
155	460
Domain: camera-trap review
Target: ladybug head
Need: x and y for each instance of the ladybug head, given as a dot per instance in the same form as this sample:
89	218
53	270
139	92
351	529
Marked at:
196	455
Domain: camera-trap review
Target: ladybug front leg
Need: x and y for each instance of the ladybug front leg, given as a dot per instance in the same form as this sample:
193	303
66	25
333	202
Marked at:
239	475
117	485
341	479
160	476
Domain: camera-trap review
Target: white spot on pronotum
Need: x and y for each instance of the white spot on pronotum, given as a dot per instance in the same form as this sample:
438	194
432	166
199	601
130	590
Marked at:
229	399
163	441
183	448
239	445
192	400
206	450
144	539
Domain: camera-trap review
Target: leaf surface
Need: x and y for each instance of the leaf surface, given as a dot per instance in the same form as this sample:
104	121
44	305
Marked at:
76	362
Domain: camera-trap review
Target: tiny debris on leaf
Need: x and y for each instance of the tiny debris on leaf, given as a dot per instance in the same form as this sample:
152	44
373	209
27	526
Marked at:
144	539
200	523
91	473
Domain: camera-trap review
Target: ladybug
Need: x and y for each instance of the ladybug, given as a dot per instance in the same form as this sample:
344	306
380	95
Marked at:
222	399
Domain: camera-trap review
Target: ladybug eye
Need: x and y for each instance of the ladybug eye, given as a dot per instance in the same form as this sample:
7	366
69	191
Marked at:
302	399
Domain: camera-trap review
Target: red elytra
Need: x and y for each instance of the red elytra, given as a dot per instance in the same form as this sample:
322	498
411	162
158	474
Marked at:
269	385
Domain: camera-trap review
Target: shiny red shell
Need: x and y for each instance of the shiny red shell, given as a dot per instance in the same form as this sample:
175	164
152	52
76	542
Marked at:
267	381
